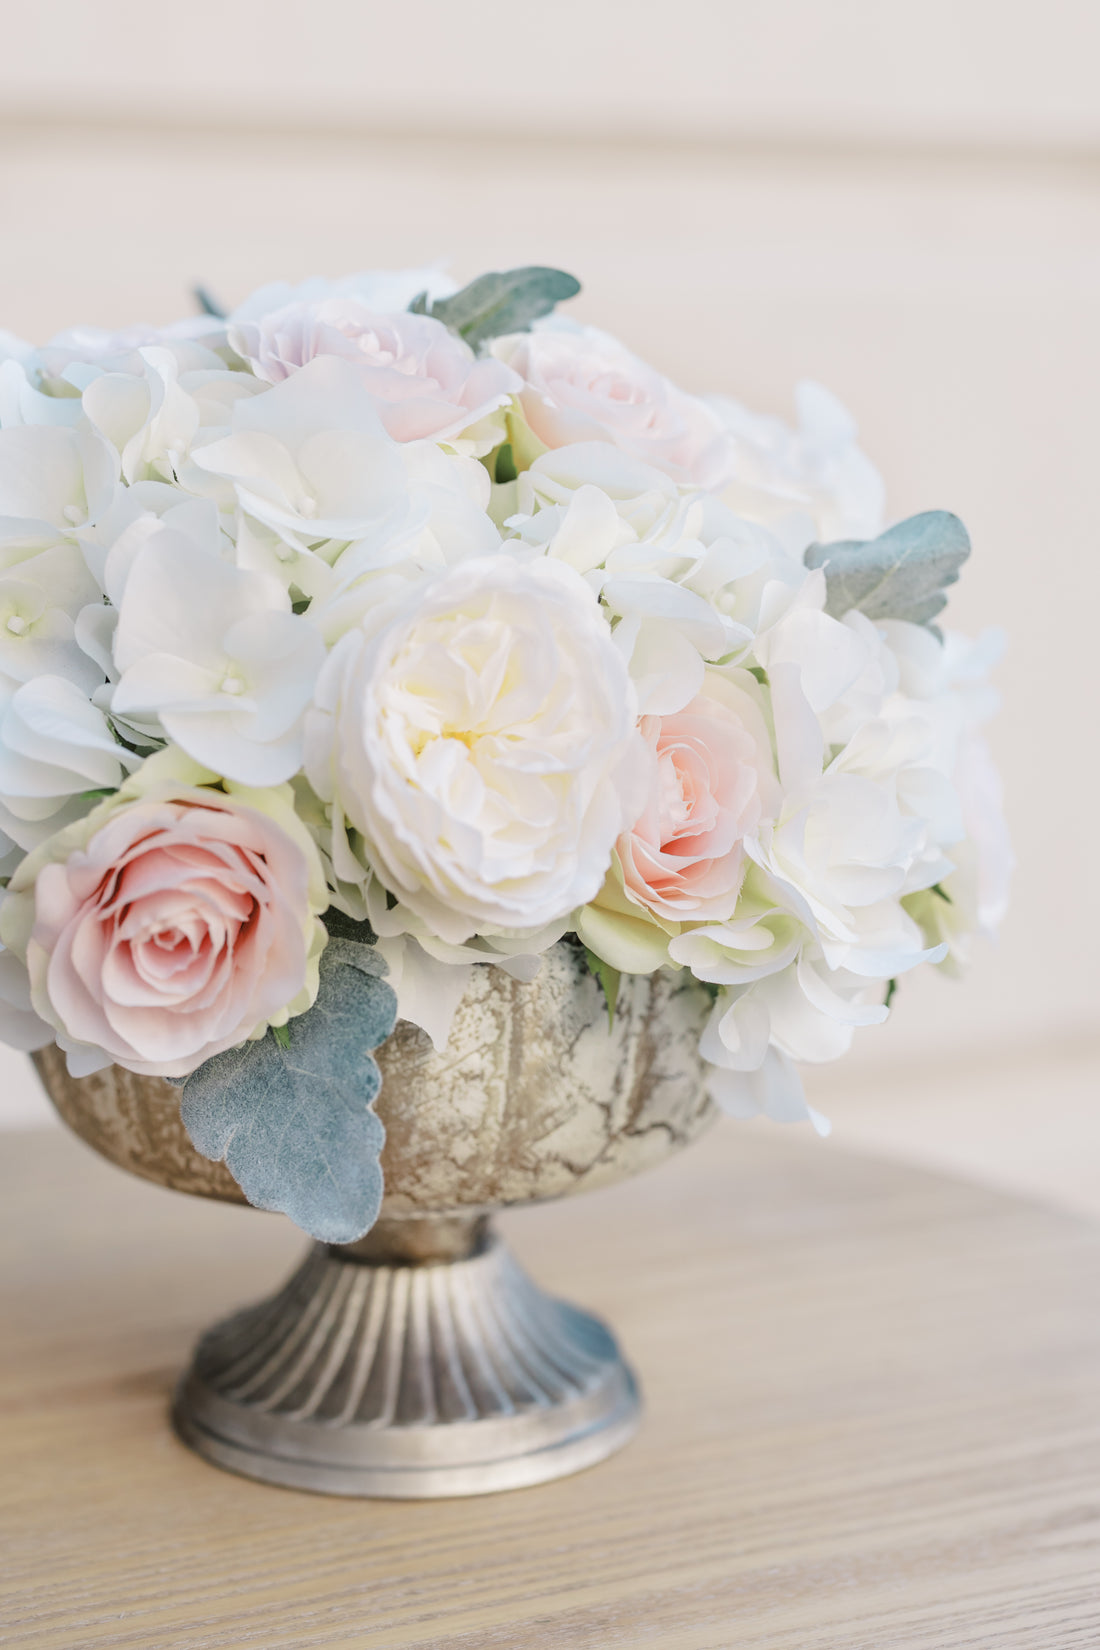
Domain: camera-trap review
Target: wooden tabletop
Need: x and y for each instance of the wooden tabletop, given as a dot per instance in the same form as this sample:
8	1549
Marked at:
873	1421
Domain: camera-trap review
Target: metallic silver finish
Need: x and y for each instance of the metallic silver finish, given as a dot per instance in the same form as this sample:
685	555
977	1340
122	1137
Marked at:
534	1097
408	1380
421	1361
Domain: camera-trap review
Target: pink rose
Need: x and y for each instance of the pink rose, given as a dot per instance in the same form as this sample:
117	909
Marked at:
427	385
167	928
582	385
710	784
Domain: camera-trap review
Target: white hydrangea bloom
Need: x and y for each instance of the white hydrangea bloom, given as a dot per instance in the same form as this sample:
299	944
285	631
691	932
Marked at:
54	482
212	658
682	577
182	397
309	460
41	598
812	482
55	747
383	290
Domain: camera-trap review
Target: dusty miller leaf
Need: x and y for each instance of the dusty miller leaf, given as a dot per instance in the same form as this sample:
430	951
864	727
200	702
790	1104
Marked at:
900	575
208	304
295	1125
499	302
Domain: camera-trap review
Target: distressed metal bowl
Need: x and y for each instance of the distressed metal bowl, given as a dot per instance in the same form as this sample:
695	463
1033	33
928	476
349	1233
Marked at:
422	1361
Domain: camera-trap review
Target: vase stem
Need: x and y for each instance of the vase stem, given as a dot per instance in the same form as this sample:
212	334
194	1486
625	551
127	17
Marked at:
420	1362
421	1241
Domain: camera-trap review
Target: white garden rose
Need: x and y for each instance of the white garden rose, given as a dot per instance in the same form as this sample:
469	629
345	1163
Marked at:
482	743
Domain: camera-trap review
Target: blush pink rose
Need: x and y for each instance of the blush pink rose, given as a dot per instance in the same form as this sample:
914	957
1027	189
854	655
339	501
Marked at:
580	384
684	858
427	385
181	925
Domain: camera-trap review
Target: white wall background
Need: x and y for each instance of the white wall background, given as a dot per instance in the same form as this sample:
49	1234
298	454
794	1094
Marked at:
901	201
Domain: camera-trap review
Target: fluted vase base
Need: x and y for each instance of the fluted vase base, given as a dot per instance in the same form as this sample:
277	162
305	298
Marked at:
421	1363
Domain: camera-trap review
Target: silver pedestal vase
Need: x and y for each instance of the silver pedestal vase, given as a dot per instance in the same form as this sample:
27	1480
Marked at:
423	1361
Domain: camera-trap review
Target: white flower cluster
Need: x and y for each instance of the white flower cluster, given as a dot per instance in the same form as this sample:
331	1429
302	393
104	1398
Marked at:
483	644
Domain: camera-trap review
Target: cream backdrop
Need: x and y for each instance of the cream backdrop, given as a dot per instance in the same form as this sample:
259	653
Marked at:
901	202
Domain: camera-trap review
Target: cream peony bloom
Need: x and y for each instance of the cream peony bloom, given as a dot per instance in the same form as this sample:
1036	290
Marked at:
482	744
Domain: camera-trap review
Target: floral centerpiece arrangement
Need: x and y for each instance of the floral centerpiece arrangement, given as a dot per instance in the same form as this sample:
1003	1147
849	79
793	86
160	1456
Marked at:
380	631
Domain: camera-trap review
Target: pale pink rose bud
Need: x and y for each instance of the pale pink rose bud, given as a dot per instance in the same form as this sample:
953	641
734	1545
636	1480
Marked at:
426	384
583	385
684	857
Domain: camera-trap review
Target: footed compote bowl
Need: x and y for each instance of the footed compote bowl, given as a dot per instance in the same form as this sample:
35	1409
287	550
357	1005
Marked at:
422	1361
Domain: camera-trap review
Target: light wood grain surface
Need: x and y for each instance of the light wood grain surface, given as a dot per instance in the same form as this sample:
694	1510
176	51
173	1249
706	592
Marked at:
874	1421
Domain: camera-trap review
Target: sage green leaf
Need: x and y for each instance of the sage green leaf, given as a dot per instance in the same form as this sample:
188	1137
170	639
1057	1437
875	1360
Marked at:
609	979
294	1124
208	305
505	466
900	575
341	927
500	302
